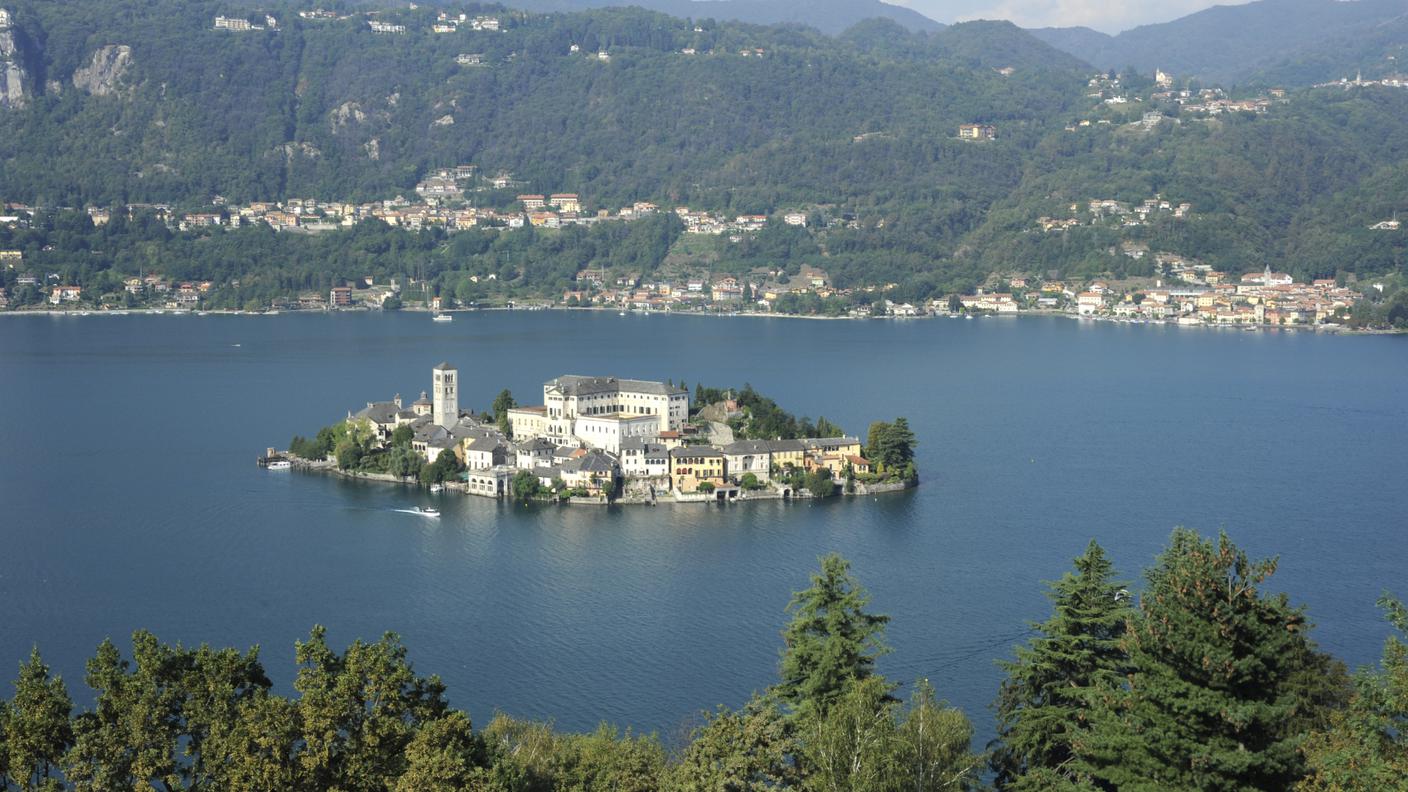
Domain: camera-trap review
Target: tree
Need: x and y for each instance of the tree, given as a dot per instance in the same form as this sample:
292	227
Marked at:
36	725
749	481
524	485
932	746
1365	745
1214	678
851	746
402	435
704	487
891	445
444	756
746	751
820	484
446	466
502	404
359	711
831	641
1043	708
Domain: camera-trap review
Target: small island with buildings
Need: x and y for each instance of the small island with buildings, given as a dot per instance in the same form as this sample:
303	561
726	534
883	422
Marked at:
607	440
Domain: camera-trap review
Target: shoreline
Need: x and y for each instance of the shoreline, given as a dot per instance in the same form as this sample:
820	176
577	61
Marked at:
327	468
202	313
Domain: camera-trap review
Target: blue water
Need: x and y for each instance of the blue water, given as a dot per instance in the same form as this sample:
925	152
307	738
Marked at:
129	497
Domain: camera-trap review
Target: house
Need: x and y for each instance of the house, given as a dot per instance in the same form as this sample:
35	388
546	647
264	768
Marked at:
340	297
565	202
532	202
691	466
795	218
377	26
977	132
65	294
1385	225
1089	303
748	456
483	449
643	459
477	59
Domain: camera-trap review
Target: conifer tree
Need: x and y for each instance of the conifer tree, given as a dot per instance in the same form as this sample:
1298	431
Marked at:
1044	704
831	641
1215	682
37	728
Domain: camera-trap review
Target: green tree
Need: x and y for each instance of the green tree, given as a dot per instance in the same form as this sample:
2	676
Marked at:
1043	708
751	750
359	711
37	731
851	746
1365	745
820	484
502	404
444	756
891	445
831	641
1214	678
402	435
524	485
933	746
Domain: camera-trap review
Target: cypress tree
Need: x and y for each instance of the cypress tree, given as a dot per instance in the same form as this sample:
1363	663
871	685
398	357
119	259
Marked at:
1043	707
831	641
37	728
1216	678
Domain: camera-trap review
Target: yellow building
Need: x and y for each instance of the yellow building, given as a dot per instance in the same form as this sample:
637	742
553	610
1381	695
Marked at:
691	466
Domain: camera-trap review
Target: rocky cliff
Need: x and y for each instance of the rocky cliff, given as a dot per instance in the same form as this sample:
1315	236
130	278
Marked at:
14	82
104	72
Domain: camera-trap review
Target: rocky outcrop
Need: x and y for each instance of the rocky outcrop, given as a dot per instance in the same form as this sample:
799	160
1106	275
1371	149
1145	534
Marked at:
103	74
14	82
345	115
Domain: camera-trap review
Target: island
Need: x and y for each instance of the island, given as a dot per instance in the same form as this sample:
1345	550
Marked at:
601	440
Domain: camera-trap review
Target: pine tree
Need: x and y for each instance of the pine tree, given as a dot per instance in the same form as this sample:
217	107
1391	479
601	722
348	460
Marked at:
37	729
831	641
1215	682
1043	706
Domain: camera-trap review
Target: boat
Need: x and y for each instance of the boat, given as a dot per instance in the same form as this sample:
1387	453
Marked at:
622	313
442	318
437	487
425	511
280	464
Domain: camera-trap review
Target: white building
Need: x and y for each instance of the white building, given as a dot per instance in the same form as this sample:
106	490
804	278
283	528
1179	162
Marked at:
601	411
607	432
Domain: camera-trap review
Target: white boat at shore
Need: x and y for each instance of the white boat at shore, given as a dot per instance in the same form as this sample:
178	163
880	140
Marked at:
280	464
437	487
440	317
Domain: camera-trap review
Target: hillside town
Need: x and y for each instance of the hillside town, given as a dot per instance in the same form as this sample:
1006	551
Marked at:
601	439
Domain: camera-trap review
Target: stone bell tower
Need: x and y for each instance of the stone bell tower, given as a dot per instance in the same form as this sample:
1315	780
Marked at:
446	412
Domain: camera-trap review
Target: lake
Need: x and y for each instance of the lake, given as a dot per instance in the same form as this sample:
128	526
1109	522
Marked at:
131	498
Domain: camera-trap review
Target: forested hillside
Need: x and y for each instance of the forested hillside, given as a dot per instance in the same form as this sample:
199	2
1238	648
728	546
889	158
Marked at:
144	102
1235	43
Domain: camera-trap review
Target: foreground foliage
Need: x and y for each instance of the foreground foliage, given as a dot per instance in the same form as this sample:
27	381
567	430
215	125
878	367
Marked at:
1207	683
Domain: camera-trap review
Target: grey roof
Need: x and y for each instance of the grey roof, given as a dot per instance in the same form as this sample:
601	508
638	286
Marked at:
634	443
564	451
444	367
776	446
536	444
699	450
576	385
748	447
818	442
379	412
591	463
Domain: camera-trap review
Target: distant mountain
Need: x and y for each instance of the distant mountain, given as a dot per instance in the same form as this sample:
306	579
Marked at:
828	16
1233	43
980	44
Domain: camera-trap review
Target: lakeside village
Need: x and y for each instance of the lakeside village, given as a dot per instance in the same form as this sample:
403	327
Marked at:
603	440
1183	291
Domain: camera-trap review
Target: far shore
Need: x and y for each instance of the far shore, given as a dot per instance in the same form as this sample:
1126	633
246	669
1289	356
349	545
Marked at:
89	312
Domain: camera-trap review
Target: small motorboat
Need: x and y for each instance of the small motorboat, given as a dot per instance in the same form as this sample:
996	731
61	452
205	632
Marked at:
280	464
437	487
426	511
442	318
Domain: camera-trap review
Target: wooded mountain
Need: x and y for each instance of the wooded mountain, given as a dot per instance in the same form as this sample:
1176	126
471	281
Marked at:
137	101
1234	43
828	16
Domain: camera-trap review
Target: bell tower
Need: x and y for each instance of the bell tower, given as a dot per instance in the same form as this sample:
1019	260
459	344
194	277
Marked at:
446	388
